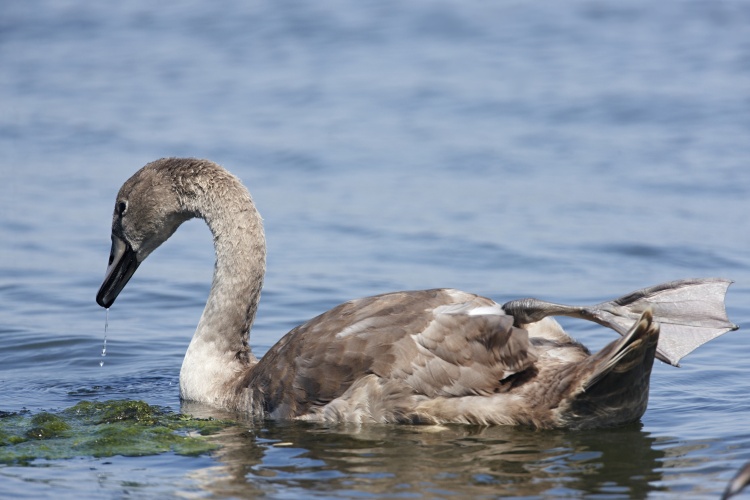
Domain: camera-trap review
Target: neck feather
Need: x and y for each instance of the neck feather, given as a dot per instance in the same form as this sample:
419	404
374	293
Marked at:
219	350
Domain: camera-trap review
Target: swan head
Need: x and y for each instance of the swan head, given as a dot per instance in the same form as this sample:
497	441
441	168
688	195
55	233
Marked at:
147	212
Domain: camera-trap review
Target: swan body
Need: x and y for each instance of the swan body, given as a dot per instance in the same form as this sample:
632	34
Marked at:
428	356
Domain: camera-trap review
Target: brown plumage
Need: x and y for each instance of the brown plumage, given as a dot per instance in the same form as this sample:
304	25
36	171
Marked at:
429	356
397	338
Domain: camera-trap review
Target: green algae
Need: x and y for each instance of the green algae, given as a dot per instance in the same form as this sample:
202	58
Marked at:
103	429
46	425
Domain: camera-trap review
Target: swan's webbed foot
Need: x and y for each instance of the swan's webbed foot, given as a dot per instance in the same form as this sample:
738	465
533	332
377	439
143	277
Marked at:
689	312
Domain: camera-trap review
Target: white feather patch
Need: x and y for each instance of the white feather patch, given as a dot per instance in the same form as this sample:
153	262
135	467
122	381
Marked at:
493	310
470	309
357	327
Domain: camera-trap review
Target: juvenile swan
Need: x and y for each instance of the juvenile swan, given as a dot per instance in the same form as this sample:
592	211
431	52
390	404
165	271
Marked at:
430	356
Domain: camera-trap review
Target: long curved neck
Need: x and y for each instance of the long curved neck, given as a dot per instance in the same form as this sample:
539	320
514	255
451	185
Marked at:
219	350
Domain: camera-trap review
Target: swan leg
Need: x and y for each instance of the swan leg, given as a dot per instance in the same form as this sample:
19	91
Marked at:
689	312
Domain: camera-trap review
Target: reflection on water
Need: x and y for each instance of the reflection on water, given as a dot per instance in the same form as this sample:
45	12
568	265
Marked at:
444	460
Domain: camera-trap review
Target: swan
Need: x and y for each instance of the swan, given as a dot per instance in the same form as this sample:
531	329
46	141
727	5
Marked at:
737	483
428	357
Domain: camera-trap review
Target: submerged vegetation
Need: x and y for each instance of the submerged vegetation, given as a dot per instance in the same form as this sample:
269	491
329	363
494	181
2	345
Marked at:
103	429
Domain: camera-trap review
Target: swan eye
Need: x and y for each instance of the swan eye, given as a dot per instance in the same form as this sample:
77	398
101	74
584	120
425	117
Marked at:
122	207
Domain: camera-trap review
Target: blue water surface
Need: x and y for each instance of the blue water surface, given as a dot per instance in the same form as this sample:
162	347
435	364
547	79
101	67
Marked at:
570	151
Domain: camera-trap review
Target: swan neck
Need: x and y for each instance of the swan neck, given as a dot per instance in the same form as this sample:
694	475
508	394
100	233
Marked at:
219	350
237	281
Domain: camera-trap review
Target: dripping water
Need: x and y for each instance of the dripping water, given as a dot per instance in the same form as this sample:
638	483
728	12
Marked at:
104	345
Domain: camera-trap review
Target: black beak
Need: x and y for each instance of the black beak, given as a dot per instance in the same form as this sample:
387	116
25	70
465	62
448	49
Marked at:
122	265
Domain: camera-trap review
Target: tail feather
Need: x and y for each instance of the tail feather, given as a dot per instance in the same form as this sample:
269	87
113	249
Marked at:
613	384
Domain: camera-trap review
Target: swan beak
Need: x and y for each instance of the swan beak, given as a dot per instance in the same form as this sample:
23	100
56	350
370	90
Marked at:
122	265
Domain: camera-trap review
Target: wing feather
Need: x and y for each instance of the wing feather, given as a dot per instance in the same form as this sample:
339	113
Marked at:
432	342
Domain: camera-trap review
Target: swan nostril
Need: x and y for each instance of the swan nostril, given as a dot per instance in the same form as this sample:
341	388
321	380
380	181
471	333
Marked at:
111	258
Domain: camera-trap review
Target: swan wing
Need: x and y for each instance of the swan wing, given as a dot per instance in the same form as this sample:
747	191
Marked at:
429	343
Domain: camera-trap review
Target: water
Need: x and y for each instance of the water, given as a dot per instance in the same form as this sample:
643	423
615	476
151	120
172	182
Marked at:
104	342
572	152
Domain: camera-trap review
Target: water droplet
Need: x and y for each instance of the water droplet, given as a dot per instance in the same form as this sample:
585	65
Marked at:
104	345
